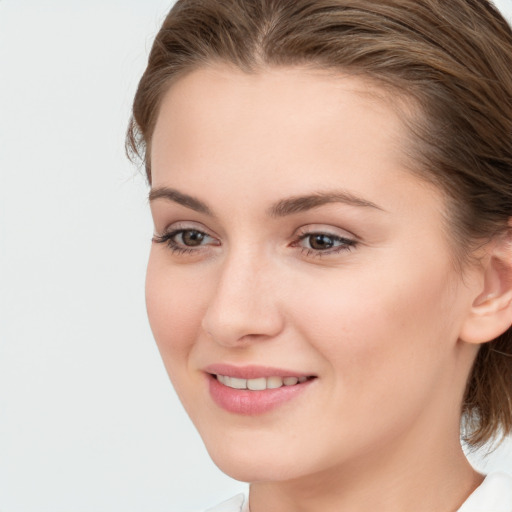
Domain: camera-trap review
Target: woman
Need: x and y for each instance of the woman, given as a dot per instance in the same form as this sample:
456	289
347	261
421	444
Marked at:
330	283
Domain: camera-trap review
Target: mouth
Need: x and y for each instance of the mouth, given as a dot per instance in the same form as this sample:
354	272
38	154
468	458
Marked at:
254	390
261	383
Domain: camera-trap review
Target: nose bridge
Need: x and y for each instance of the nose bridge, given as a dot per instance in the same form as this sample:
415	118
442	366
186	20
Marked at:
244	304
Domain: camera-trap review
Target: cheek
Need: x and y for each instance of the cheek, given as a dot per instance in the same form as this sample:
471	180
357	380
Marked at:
386	349
174	306
382	326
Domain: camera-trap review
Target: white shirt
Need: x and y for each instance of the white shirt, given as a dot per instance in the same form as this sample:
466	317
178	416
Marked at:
494	495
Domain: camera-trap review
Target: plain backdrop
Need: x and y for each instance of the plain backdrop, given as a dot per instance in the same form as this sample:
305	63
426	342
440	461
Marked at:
88	419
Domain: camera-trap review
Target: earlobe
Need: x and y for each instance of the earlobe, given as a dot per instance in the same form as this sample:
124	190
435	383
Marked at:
491	311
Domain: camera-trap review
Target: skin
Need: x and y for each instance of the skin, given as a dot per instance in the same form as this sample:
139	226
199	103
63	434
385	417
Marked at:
380	323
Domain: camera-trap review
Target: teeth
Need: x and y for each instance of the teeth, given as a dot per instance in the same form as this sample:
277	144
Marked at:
274	382
261	383
237	383
257	384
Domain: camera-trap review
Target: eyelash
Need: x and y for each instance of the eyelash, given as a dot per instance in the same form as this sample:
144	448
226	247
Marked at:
346	244
168	238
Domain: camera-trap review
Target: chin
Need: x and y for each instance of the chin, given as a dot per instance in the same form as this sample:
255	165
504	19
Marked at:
245	469
256	458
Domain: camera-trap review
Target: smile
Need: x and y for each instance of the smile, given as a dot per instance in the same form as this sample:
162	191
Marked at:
261	383
254	390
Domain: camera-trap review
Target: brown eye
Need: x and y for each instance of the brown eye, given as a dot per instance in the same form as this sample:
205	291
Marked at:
191	238
320	242
324	243
186	240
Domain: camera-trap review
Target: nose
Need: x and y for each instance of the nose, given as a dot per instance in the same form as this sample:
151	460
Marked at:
244	305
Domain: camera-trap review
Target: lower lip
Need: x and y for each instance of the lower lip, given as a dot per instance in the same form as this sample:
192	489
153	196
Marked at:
250	403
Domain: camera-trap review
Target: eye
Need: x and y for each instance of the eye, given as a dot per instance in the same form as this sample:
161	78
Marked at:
319	244
319	241
190	237
185	240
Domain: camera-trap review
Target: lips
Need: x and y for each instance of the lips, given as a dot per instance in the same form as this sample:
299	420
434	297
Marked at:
252	390
252	371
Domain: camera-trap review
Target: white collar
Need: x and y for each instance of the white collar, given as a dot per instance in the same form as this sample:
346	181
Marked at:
493	495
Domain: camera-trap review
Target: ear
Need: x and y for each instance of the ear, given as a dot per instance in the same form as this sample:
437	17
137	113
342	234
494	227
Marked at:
491	312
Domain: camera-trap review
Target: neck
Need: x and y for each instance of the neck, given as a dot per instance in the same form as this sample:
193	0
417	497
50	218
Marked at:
403	476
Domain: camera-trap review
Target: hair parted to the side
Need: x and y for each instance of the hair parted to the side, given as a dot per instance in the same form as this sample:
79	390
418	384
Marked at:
453	59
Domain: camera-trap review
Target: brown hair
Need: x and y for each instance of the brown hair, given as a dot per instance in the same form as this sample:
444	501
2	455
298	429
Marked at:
452	58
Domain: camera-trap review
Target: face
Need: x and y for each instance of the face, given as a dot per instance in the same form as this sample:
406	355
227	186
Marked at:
301	286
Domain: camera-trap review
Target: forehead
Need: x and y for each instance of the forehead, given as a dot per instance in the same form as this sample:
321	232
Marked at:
209	105
287	86
295	129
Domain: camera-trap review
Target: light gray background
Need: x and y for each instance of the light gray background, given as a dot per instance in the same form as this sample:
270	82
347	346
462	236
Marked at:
88	420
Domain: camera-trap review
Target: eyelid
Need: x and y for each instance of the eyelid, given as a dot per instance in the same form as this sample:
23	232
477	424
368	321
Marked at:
185	226
326	229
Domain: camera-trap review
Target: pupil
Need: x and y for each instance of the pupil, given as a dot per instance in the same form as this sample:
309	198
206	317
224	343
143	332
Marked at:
192	238
320	242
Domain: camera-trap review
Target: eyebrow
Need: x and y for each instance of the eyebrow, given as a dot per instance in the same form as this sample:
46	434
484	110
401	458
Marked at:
178	197
282	208
300	204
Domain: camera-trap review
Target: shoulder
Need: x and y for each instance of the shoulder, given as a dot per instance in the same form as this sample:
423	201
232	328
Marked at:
494	495
238	503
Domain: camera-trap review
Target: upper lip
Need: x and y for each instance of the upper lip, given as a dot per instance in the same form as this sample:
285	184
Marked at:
252	371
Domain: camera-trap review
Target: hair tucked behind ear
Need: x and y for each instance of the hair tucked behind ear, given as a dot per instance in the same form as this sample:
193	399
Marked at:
453	59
